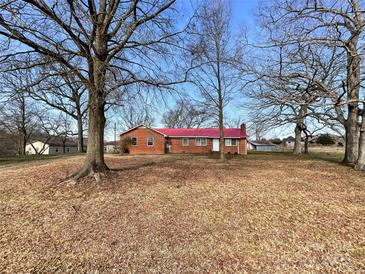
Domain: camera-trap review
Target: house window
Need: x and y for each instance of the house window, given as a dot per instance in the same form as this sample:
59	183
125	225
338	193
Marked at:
150	141
68	149
134	141
230	142
201	141
185	141
56	149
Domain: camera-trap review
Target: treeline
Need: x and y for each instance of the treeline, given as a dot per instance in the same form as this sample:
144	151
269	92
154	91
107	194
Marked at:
310	69
96	59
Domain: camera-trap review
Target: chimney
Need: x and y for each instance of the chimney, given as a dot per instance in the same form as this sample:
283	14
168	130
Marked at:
243	127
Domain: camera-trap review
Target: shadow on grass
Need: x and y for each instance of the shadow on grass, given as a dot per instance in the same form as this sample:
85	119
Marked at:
134	167
288	155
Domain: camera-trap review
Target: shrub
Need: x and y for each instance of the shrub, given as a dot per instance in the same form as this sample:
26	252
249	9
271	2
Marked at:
124	144
276	141
325	140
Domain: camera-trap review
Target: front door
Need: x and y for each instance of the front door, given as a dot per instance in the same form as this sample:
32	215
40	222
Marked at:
215	145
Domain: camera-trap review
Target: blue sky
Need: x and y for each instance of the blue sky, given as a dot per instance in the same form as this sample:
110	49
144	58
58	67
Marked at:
243	15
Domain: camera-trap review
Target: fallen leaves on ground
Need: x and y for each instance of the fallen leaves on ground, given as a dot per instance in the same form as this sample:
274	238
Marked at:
174	214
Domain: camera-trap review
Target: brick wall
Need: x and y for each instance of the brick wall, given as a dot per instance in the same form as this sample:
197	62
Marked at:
142	134
243	146
177	146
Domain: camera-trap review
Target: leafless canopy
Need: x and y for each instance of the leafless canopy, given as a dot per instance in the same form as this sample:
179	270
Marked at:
216	58
327	39
186	115
105	44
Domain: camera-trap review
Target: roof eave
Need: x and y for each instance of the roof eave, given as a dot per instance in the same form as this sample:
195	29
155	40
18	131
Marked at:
142	125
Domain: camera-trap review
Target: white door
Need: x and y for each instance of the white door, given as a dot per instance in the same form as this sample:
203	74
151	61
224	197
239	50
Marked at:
215	145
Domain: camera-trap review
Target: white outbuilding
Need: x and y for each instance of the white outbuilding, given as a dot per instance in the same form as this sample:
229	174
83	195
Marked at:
261	145
51	147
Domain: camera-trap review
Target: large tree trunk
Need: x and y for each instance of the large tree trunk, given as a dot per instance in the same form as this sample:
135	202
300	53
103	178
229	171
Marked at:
22	142
352	141
299	128
80	134
306	145
360	164
353	89
298	140
94	163
24	133
221	136
221	126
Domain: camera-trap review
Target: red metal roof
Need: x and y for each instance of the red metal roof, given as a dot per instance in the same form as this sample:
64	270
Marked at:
201	132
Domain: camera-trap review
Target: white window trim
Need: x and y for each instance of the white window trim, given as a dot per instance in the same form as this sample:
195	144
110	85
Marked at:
184	138
206	142
230	142
226	143
153	141
136	141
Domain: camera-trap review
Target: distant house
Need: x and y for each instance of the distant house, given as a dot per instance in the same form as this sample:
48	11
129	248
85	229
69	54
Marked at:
52	146
289	142
111	147
262	145
145	140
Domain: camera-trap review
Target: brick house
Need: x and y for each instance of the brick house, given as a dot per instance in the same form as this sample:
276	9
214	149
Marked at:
145	140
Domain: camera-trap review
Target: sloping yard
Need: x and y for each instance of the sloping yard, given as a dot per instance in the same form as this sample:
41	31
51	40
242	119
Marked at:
184	214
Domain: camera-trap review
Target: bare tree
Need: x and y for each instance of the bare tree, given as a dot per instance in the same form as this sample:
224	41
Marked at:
63	130
215	57
285	89
18	112
234	122
259	127
105	44
186	115
65	93
360	164
136	113
339	25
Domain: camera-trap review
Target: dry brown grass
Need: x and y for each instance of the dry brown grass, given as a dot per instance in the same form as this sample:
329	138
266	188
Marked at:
184	214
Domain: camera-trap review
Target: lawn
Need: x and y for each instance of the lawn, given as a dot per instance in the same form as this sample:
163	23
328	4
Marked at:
8	160
184	214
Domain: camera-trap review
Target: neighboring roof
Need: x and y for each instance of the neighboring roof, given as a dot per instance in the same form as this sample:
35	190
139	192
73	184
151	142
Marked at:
195	132
111	143
261	143
54	141
141	126
202	132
